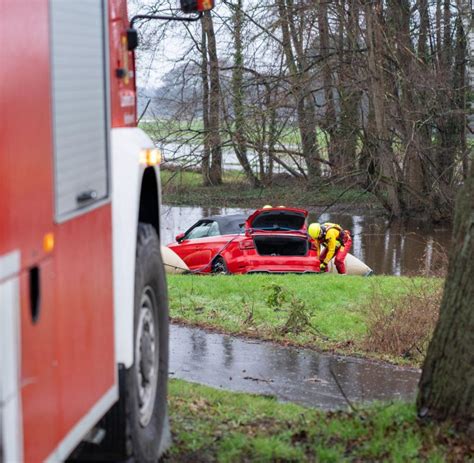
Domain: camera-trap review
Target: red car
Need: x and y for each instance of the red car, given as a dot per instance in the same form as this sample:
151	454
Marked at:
270	240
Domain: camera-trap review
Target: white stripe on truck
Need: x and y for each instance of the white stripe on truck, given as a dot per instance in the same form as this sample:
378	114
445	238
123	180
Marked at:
10	398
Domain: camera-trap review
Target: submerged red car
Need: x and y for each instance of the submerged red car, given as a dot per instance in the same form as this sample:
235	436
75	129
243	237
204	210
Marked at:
271	240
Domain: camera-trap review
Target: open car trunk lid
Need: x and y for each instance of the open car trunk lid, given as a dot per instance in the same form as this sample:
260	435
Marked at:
277	219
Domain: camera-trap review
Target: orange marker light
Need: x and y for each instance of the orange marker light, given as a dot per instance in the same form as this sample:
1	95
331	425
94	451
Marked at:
48	242
193	6
205	5
150	157
126	76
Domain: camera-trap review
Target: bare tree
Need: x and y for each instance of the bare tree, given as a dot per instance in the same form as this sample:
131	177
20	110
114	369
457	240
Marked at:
206	153
238	135
214	101
292	18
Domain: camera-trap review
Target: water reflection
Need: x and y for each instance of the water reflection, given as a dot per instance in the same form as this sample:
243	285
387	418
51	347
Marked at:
391	249
296	375
228	350
198	345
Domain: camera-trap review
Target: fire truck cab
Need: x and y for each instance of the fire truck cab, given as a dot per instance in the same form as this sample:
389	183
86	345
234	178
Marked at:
83	303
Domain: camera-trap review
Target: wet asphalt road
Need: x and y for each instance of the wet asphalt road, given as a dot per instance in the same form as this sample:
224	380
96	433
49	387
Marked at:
294	375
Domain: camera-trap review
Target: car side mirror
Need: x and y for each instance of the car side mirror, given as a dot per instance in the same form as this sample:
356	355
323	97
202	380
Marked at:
180	237
132	39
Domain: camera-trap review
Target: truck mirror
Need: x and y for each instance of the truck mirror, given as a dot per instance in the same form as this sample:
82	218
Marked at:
132	39
180	237
196	6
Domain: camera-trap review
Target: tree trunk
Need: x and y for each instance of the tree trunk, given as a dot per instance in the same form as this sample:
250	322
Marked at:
438	31
452	120
414	135
215	174
309	142
447	381
460	92
424	28
300	81
349	95
467	67
385	179
239	141
328	122
272	135
206	153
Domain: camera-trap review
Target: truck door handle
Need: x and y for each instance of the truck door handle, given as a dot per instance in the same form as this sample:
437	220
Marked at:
86	196
35	293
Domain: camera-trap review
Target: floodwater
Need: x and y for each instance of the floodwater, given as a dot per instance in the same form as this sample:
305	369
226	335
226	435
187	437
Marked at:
290	374
387	248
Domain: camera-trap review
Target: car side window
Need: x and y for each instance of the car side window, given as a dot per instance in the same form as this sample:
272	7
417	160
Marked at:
214	229
200	231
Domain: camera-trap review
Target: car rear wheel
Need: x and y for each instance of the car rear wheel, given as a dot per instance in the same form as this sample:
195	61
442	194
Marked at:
219	266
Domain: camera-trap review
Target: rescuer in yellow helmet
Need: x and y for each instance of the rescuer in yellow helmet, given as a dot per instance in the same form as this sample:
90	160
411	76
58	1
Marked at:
267	206
336	241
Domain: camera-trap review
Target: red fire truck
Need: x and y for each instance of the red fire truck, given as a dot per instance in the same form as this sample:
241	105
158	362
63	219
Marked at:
83	305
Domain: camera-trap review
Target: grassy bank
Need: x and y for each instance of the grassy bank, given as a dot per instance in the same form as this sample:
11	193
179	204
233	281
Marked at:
175	131
211	425
184	187
383	317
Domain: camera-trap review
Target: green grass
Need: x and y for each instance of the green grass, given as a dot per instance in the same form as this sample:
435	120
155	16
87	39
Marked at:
213	425
179	131
331	311
173	130
185	187
183	179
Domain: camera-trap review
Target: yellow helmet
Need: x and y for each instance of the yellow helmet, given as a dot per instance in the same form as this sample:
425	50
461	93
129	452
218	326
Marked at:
267	206
314	230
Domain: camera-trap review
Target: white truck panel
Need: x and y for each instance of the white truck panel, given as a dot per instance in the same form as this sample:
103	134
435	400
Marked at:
127	174
10	398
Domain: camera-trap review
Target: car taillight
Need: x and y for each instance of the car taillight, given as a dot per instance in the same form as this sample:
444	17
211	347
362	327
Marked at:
247	244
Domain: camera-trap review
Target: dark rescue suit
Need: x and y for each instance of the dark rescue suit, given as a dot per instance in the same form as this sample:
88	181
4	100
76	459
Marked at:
337	242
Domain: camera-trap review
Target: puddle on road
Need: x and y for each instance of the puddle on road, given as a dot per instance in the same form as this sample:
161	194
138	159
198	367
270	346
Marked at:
295	375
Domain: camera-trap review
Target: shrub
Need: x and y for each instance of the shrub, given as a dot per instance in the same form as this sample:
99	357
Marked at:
277	296
435	261
280	298
298	317
403	325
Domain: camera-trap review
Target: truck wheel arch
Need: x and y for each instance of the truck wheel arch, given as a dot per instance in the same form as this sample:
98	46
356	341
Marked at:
149	209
